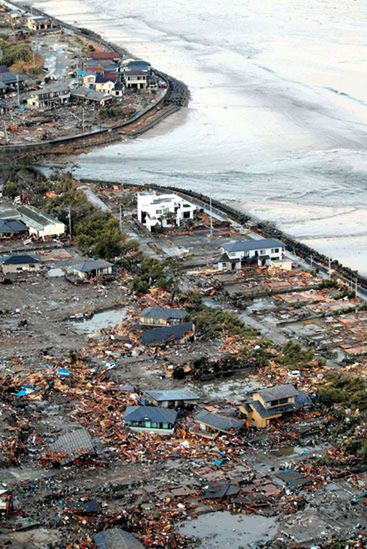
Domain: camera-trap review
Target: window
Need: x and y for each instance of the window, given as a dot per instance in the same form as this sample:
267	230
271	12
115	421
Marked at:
262	252
275	250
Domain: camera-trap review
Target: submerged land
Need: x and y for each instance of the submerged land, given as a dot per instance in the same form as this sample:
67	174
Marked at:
173	372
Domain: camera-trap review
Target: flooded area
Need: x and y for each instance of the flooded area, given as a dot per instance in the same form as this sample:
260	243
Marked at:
222	529
234	388
104	319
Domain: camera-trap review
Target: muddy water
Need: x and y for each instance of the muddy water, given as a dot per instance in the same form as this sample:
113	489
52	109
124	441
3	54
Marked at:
105	319
221	530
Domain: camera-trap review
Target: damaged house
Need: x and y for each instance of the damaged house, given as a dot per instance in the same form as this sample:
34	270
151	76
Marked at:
262	251
180	333
173	398
160	316
210	425
20	263
150	419
91	269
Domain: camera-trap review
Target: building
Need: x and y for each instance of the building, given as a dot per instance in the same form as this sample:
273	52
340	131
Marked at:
263	251
269	404
39	223
20	263
211	425
10	81
172	398
19	35
49	97
136	80
91	96
102	84
139	65
150	419
91	269
102	55
171	334
115	538
160	316
9	228
40	23
160	211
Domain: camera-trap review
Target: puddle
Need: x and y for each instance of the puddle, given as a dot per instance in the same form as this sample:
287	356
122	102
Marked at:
221	529
236	387
105	319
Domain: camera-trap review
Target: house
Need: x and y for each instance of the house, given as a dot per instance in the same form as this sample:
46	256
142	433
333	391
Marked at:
49	97
138	66
102	55
20	263
91	269
150	419
264	251
39	223
40	23
136	80
269	404
15	18
12	227
162	336
211	425
91	96
172	398
10	81
160	316
160	211
115	538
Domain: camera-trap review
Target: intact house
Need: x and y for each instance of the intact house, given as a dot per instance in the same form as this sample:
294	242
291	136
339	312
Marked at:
49	97
10	228
20	263
172	398
91	269
270	404
160	211
39	223
157	337
160	316
210	425
263	251
150	419
39	23
137	74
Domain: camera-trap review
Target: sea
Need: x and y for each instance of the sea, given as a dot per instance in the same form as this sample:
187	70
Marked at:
277	122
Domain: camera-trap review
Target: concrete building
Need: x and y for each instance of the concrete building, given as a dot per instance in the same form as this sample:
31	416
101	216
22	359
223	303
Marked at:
148	419
40	23
160	316
136	80
160	211
20	263
172	398
263	251
40	224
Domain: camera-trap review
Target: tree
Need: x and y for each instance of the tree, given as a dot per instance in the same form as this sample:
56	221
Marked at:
10	190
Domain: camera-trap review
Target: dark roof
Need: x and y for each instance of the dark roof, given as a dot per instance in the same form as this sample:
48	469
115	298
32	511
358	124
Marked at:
20	260
172	394
10	226
10	77
222	423
264	412
141	66
150	413
92	265
278	392
74	444
248	245
161	312
159	336
115	538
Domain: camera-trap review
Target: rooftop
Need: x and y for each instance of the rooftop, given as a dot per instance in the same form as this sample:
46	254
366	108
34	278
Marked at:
159	336
150	413
248	245
161	312
35	216
222	423
278	392
10	226
92	265
172	394
20	260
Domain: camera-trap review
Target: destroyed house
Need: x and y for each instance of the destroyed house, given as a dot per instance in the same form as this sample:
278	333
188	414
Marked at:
91	269
81	94
150	419
73	445
160	316
20	263
210	425
115	538
12	227
49	97
264	251
162	336
171	398
39	223
38	23
269	404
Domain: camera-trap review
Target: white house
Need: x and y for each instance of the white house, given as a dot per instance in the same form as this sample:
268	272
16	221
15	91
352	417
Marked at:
40	224
263	251
163	210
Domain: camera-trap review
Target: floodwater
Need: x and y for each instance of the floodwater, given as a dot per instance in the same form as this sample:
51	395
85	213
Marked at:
104	319
221	529
277	123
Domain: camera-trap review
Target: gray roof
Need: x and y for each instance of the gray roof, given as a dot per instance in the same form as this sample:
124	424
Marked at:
160	336
150	413
264	412
20	260
10	226
161	312
29	212
278	392
115	538
74	444
10	77
248	245
222	423
92	265
90	95
137	66
173	394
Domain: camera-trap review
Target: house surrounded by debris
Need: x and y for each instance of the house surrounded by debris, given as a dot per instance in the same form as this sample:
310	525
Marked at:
49	97
161	211
39	223
39	23
172	398
160	316
91	269
264	251
9	228
150	419
170	334
210	424
20	263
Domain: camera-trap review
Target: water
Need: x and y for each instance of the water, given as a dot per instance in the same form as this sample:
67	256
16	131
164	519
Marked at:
277	121
221	529
105	319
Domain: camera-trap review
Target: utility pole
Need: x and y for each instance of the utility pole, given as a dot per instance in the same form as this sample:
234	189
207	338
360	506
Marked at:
120	218
329	268
356	284
18	90
83	119
211	215
70	228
